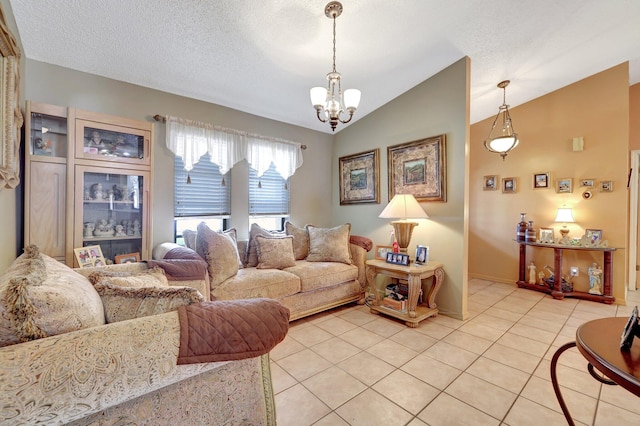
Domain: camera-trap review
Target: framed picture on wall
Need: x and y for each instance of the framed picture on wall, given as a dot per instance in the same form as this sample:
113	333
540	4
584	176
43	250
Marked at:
540	180
606	186
419	168
489	183
509	185
564	186
587	183
360	178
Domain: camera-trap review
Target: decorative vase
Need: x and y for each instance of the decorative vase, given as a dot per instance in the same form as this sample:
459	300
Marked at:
521	228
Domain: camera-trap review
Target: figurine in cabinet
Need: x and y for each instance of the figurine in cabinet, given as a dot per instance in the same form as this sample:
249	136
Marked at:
97	193
89	227
136	228
86	194
96	141
117	193
103	229
120	231
595	279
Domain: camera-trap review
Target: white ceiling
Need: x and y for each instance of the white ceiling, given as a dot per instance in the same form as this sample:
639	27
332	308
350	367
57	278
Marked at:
263	56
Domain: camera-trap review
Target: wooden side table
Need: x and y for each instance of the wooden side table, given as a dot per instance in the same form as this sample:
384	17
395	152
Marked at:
414	274
599	342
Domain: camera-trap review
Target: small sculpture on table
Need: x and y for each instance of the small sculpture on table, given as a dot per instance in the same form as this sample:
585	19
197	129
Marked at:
532	273
595	279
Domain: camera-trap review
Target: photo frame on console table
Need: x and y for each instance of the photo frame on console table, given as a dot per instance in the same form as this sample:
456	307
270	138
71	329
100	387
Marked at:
398	258
419	168
360	178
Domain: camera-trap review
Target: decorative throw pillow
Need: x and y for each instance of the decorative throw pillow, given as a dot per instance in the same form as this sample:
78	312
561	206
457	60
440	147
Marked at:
152	277
252	253
123	303
234	236
189	237
220	253
41	297
329	244
275	253
300	240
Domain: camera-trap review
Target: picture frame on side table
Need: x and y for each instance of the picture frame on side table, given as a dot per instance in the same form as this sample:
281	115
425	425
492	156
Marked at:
564	186
509	185
419	168
381	252
128	258
540	180
490	183
398	258
360	178
546	236
593	235
89	256
422	255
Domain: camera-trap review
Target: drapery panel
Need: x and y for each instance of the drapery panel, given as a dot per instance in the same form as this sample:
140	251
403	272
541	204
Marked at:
190	140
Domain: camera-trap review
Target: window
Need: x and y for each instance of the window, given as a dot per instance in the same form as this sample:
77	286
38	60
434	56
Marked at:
207	197
268	199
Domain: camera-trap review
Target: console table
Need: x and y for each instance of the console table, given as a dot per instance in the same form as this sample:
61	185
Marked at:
599	342
414	274
557	292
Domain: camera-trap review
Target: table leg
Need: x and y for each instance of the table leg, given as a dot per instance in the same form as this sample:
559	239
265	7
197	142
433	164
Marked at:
370	273
554	380
415	285
438	279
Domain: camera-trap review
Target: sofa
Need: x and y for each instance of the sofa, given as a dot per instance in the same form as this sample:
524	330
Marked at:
308	269
62	361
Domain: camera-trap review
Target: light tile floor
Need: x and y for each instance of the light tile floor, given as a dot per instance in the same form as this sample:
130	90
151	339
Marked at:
350	367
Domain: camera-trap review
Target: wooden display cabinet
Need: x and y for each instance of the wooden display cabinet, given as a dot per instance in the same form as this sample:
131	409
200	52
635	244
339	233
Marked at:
112	210
46	178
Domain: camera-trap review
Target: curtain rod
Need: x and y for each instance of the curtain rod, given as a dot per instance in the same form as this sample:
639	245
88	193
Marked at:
163	119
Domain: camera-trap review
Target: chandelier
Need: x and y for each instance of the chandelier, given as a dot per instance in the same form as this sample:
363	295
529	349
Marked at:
329	102
505	139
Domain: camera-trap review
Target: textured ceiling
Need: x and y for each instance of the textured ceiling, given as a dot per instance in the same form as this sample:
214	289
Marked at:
262	56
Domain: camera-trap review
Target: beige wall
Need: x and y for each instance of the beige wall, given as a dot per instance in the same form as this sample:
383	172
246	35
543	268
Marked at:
595	108
436	106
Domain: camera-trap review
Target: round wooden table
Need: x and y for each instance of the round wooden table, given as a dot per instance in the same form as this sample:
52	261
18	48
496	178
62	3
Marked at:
599	342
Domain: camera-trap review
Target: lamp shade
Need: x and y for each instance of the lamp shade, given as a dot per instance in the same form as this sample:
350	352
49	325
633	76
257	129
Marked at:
352	98
403	206
564	215
318	96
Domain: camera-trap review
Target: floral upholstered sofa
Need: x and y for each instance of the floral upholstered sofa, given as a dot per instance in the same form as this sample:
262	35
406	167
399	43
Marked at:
63	362
307	269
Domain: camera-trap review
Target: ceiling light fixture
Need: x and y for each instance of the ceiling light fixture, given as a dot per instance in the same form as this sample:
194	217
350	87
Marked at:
329	103
507	138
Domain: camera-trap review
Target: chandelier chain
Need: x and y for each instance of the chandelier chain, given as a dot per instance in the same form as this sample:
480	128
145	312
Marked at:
334	43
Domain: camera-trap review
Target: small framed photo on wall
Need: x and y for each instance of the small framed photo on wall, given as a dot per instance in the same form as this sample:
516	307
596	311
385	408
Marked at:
509	185
489	183
564	186
606	186
587	183
540	180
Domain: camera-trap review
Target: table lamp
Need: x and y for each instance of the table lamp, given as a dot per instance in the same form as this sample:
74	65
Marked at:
404	207
564	215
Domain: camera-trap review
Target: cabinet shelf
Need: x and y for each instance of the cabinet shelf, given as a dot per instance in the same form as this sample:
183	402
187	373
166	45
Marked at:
88	239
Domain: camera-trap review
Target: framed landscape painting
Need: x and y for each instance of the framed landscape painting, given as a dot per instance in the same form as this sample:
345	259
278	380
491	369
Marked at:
360	178
419	168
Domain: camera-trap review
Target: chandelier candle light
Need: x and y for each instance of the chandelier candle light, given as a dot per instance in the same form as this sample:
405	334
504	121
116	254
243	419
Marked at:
404	207
329	102
506	139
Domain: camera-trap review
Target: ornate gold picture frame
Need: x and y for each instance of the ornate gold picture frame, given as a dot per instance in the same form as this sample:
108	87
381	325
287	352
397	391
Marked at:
419	168
360	178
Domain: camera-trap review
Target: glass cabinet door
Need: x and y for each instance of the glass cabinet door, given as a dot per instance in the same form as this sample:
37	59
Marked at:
48	135
112	212
105	142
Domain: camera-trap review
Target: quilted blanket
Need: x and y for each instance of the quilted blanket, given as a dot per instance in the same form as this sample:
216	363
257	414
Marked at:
181	264
230	329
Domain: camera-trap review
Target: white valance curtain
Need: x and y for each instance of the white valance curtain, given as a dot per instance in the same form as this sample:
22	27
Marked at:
192	139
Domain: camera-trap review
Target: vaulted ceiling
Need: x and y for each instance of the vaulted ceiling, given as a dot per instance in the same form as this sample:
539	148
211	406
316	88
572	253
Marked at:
263	56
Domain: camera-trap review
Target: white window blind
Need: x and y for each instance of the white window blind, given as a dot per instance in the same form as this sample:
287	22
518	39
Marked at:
205	195
269	193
